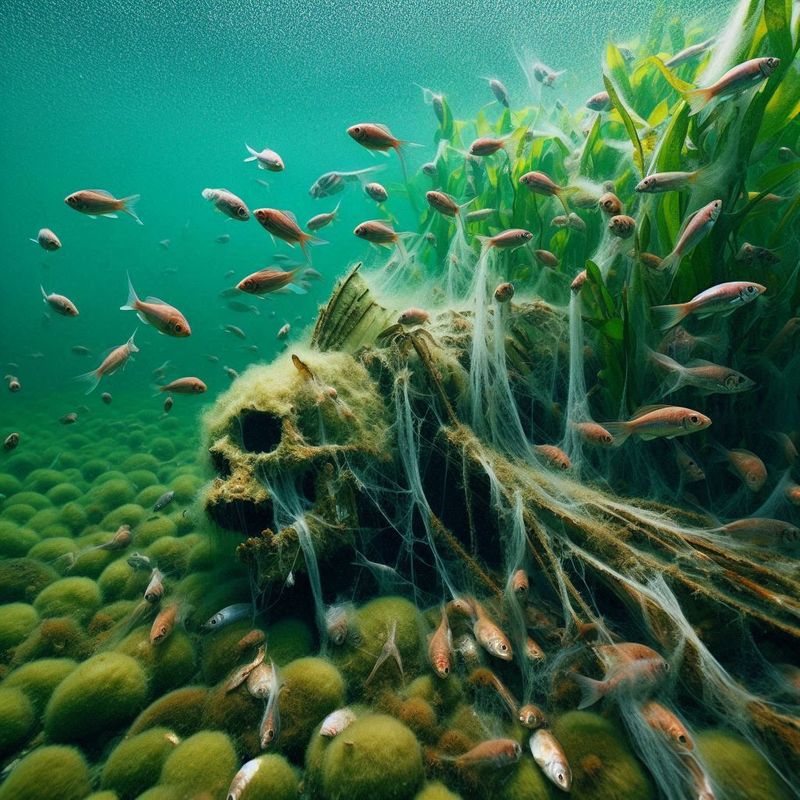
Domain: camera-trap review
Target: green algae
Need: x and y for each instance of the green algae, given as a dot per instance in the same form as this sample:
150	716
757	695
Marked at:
49	773
135	763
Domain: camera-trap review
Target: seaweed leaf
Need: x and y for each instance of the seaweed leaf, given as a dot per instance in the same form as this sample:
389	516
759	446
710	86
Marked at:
673	80
605	301
777	15
638	155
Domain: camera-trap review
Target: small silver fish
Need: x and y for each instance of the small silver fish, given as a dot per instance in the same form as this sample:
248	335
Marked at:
242	778
227	615
270	728
550	756
163	501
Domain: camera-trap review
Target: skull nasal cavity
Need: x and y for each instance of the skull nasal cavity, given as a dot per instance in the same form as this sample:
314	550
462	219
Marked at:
261	431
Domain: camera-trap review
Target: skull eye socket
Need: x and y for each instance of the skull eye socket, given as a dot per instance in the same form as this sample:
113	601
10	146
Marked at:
260	431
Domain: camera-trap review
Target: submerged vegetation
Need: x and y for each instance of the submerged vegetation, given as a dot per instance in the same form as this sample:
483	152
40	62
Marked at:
518	520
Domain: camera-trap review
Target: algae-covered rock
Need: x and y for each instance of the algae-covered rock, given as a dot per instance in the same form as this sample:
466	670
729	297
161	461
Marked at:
162	448
378	758
18	513
63	493
110	493
180	711
9	484
135	763
238	714
54	637
17	620
274	778
33	499
374	621
120	581
15	541
205	762
100	696
142	478
436	790
220	654
128	514
140	461
443	695
17	720
23	579
526	782
737	769
171	554
289	639
169	664
161	792
310	689
74	596
73	515
153	529
94	468
42	480
38	679
601	761
48	773
56	551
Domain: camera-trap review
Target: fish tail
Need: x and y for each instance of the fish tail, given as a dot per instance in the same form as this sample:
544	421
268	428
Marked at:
252	156
129	207
620	431
92	378
591	690
486	242
133	299
44	293
670	315
697	99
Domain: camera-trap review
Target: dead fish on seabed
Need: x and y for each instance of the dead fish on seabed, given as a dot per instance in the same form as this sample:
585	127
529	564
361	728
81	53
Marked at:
549	755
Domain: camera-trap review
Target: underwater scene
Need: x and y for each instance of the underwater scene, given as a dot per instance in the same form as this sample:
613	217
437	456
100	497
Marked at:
413	412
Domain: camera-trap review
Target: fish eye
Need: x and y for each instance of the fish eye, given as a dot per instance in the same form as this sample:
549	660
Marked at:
503	648
446	670
560	777
694	419
608	439
681	738
213	620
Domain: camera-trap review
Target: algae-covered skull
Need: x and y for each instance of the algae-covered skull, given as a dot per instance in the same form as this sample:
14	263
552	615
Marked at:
299	424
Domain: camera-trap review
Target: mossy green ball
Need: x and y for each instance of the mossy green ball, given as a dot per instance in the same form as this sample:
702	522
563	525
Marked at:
151	530
44	518
171	554
169	664
139	461
78	597
220	654
142	478
205	762
35	500
186	487
52	551
526	782
94	468
310	689
48	773
600	758
162	448
378	758
738	770
17	620
16	541
274	778
63	493
23	578
120	581
289	639
9	484
73	515
135	764
42	480
111	493
374	621
180	711
20	464
38	679
20	513
128	514
100	696
436	791
17	720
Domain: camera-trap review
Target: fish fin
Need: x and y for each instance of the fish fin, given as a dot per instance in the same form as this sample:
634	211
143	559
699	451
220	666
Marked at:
132	344
289	214
620	431
664	361
700	362
249	158
642	410
669	316
591	690
648	437
92	378
697	99
109	216
295	289
44	293
156	300
104	192
130	303
35	241
129	207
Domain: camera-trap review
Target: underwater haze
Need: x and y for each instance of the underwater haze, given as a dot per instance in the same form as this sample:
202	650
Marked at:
400	401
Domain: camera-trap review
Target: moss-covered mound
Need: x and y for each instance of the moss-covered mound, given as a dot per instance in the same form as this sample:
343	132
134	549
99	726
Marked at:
135	764
180	711
17	620
38	679
95	700
378	757
48	773
17	720
75	597
204	763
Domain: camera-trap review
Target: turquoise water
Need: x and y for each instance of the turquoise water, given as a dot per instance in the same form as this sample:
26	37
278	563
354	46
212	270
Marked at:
425	531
